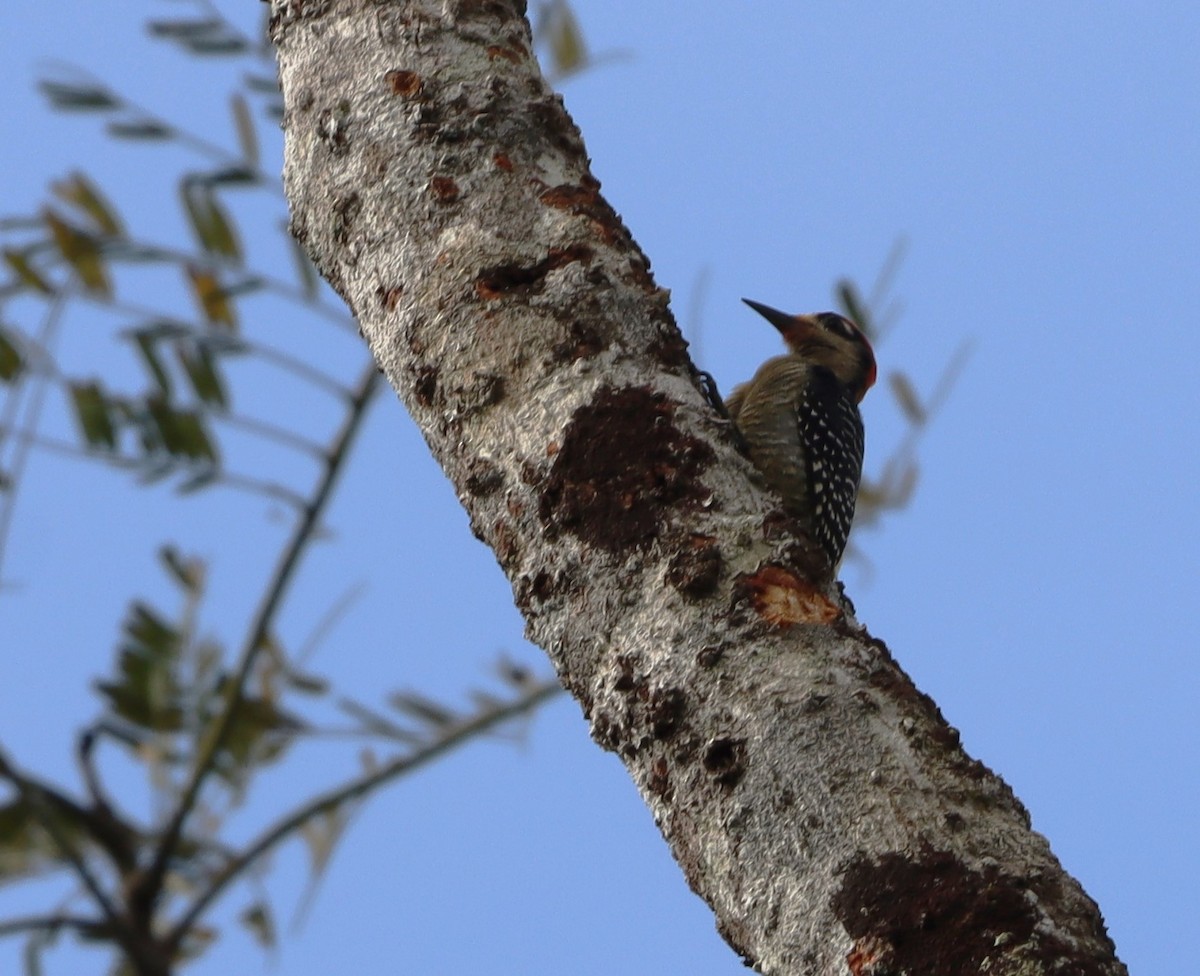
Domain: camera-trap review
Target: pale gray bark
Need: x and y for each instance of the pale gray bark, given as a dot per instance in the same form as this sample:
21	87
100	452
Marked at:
813	797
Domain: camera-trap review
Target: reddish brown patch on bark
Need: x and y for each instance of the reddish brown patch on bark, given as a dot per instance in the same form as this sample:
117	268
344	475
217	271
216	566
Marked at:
870	956
345	214
507	53
584	200
406	84
695	569
444	189
568	196
425	386
502	162
623	470
783	599
670	349
927	912
659	780
390	297
514	279
506	544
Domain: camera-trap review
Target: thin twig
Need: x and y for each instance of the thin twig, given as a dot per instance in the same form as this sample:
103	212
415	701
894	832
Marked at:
269	431
941	391
453	736
184	137
264	619
223	479
49	923
116	250
331	617
264	351
16	468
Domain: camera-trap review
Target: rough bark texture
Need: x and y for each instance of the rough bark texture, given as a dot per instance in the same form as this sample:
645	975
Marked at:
813	797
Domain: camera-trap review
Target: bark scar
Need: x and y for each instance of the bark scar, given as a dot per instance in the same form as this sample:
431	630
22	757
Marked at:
623	470
512	279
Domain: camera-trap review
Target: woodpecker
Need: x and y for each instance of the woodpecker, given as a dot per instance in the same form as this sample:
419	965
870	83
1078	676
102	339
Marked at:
800	421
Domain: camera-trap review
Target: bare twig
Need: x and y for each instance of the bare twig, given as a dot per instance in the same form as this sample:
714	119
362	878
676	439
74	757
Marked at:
8	499
453	736
50	923
224	478
261	626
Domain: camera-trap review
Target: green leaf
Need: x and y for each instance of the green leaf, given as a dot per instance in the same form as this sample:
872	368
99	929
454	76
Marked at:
424	709
163	329
146	129
232	176
211	297
263	84
92	412
307	684
26	849
81	251
147	691
260	733
261	923
906	396
218	45
322	832
83	194
567	49
25	271
310	280
150	635
11	363
201	368
185	28
81	97
147	349
188	573
200	36
181	432
247	136
202	479
854	307
248	285
194	437
212	227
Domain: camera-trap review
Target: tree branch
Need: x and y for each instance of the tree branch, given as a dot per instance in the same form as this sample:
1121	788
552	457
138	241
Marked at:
812	795
14	468
51	923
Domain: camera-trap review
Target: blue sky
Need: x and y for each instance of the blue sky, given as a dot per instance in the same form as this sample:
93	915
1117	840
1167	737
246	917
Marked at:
1041	161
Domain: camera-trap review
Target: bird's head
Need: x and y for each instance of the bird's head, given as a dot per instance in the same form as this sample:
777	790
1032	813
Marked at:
829	340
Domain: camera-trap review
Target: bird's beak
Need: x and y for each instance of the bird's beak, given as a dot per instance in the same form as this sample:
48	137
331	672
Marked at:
788	325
